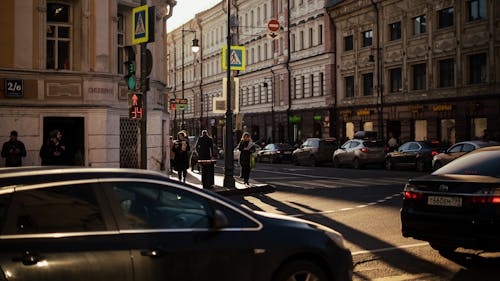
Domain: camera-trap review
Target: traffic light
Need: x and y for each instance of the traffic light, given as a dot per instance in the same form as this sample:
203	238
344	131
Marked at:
130	64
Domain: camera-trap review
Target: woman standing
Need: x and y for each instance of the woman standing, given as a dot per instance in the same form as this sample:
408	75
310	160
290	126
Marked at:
181	155
246	147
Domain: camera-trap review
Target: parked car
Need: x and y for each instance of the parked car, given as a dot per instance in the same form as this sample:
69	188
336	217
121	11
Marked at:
275	152
414	154
458	150
315	151
458	205
236	152
358	153
126	224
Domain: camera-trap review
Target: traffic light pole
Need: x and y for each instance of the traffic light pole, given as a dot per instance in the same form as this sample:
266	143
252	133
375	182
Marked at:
144	148
228	149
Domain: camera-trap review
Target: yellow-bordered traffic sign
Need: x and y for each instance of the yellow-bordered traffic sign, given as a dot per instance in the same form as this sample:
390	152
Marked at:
140	25
237	58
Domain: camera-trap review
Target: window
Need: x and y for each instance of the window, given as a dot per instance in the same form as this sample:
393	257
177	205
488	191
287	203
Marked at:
292	47
321	82
477	9
419	25
311	85
447	73
478	125
74	206
303	79
311	43
367	38
320	34
349	86
447	130
348	43
349	130
420	130
121	45
368	126
301	40
59	31
477	68
396	80
419	76
256	92
395	31
368	84
445	18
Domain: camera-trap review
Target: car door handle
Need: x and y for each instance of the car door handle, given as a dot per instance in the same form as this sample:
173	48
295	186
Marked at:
28	258
153	253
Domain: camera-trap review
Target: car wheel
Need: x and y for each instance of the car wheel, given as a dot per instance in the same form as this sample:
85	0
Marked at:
300	270
356	164
271	160
420	165
444	249
336	162
295	161
313	161
437	165
388	164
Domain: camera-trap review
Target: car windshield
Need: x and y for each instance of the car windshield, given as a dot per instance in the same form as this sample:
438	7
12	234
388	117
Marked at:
484	163
284	146
374	144
328	142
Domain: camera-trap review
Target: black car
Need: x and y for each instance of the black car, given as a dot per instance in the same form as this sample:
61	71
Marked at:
414	154
315	151
458	205
123	224
275	153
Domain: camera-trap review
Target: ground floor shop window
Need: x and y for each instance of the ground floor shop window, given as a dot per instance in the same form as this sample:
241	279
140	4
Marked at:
420	130
448	131
478	125
368	126
349	130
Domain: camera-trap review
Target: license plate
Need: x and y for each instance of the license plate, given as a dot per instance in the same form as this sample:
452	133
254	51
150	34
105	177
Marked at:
444	201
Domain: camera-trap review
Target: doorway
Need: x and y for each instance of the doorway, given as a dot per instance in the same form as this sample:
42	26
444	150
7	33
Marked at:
73	136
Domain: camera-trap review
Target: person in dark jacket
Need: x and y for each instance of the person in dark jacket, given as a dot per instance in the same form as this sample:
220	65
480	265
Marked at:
181	155
13	151
53	151
205	146
246	147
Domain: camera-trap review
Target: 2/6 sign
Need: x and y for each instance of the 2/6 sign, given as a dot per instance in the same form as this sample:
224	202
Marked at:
14	88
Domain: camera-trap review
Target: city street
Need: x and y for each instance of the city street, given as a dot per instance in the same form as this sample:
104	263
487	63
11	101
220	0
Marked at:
364	206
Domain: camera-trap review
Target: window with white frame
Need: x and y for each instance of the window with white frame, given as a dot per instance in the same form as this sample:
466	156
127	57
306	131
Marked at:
476	9
59	36
419	25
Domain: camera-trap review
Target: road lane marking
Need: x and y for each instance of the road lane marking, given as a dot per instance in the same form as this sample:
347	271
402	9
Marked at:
389	249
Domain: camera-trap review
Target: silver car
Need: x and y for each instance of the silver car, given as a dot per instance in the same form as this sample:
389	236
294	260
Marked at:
358	153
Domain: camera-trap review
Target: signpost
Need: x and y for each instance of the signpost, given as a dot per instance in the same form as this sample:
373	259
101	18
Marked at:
273	26
237	58
14	88
140	25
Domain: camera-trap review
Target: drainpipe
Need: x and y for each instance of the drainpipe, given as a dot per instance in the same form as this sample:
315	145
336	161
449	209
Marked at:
379	76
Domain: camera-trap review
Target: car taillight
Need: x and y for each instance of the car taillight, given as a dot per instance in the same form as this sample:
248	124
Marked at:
364	149
485	199
278	152
387	149
434	153
413	195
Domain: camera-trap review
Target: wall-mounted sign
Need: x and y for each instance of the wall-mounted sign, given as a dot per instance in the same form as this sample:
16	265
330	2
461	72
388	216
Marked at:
317	117
442	107
294	119
416	108
363	112
14	88
178	104
345	113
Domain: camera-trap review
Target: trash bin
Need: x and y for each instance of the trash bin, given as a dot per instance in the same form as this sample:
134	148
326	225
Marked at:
207	173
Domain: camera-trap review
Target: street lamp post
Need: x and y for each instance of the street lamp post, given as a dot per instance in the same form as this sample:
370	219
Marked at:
195	48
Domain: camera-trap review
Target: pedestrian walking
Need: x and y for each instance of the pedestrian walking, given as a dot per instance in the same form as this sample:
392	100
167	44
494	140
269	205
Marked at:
172	154
246	148
392	143
13	151
181	155
206	155
53	151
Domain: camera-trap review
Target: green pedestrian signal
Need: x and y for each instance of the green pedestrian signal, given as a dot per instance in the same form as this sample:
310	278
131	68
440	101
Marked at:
130	65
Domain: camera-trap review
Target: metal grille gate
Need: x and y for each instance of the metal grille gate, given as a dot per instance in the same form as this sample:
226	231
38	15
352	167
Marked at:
129	137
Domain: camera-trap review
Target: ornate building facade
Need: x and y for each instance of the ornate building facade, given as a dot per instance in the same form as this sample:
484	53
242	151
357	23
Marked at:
424	70
62	67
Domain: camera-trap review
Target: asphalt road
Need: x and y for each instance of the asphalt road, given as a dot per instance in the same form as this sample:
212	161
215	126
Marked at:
364	206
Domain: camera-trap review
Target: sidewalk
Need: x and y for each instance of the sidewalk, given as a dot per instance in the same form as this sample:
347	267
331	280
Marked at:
194	178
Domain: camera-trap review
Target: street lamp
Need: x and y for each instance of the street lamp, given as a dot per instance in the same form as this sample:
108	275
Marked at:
195	48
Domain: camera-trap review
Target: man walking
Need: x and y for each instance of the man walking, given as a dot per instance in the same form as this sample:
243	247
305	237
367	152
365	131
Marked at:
13	151
205	149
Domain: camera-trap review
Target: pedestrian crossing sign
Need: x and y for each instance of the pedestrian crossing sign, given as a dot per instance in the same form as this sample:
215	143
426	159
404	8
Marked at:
140	25
237	58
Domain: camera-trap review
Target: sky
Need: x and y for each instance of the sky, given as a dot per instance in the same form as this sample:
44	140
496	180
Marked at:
186	9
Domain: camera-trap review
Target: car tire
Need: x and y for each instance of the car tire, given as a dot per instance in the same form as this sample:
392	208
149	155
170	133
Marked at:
356	164
300	270
336	162
420	165
295	161
443	249
388	164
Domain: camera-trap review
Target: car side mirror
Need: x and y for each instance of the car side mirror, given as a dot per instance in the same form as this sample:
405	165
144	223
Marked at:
219	220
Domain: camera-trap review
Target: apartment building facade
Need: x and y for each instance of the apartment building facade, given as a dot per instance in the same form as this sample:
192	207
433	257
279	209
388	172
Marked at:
423	70
286	92
62	67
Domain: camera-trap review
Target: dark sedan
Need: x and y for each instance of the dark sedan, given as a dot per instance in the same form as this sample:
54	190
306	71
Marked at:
124	224
275	152
458	150
414	154
457	205
315	151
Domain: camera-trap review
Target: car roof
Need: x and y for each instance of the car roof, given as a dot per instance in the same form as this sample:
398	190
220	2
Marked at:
45	174
480	142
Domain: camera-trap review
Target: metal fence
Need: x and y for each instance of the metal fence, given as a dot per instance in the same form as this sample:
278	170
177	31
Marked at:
129	137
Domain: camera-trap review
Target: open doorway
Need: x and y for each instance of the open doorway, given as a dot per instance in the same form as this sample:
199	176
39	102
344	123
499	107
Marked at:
72	129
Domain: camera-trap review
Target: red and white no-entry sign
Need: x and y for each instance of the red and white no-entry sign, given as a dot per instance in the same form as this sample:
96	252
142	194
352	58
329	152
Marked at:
273	25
